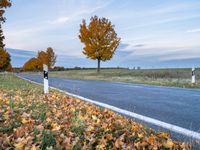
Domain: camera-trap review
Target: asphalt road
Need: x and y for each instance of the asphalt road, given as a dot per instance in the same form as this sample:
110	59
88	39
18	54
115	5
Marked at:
176	106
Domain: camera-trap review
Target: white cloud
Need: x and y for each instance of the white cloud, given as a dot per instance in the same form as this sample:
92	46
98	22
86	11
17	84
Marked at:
164	20
187	53
193	30
82	12
59	20
165	53
178	7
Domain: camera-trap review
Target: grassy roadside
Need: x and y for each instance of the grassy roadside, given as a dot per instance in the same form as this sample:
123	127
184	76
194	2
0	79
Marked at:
30	120
163	77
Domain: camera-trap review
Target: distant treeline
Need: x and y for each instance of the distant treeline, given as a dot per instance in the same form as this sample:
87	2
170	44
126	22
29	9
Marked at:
61	68
83	68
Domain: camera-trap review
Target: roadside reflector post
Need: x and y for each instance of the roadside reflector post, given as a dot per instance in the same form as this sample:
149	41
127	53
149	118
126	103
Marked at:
193	75
46	82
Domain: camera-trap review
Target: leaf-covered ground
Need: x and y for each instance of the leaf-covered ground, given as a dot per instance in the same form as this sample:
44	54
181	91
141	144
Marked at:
30	120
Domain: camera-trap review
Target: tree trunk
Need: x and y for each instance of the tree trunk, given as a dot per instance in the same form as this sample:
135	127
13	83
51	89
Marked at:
98	65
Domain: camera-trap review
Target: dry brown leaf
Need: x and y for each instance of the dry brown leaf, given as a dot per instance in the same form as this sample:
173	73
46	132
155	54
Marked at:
168	144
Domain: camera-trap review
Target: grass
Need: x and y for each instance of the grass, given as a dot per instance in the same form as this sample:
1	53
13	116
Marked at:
32	120
48	140
11	83
163	77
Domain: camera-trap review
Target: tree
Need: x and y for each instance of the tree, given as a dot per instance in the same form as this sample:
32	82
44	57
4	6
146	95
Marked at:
99	38
3	4
4	59
2	45
4	55
48	58
9	68
42	58
51	57
32	65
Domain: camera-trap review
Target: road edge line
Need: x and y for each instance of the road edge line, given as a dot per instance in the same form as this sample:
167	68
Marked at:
171	127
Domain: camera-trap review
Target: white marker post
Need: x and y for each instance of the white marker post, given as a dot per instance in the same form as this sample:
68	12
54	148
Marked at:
46	82
193	75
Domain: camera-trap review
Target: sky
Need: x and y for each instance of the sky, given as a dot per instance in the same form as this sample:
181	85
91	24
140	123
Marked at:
153	34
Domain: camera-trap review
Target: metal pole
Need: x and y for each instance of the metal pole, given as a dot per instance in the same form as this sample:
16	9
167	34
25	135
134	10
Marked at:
46	82
193	75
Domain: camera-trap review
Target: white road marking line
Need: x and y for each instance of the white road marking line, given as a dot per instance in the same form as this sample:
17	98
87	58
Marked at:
156	122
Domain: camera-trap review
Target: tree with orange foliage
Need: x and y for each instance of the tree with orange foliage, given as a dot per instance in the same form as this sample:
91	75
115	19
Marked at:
47	57
32	65
3	4
42	59
9	68
51	57
99	38
4	59
4	55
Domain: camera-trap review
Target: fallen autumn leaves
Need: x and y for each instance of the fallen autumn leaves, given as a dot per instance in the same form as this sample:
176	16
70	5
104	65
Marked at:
29	120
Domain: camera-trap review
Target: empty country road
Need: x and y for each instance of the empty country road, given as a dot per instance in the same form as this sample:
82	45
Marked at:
176	106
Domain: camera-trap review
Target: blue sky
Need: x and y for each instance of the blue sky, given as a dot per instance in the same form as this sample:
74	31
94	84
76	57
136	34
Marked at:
154	33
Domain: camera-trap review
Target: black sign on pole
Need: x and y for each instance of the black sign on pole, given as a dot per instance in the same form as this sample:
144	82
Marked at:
193	72
193	75
46	75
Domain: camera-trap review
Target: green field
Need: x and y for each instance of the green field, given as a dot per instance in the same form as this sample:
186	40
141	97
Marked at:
164	77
